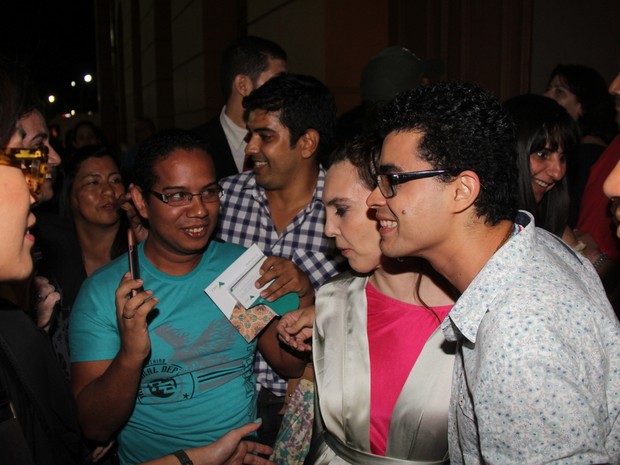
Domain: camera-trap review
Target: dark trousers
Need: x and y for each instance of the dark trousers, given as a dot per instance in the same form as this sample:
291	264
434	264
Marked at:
268	407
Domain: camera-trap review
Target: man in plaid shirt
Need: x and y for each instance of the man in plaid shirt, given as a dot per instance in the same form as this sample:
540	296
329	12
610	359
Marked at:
278	206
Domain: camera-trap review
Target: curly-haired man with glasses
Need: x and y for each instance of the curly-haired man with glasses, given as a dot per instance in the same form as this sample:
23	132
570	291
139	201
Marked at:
537	373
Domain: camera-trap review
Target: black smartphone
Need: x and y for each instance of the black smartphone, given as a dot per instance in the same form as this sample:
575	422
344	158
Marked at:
134	264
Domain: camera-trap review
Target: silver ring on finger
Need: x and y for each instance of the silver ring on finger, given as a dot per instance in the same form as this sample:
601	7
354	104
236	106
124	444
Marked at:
128	317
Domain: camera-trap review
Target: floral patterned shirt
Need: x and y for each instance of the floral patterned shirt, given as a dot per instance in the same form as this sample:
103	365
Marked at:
537	373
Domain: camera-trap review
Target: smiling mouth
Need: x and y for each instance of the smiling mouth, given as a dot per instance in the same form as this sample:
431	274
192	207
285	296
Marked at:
544	185
196	231
51	173
387	223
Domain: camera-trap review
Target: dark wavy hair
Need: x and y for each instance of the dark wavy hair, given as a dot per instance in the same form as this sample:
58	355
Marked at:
541	122
250	56
362	151
18	97
303	102
598	116
158	147
464	128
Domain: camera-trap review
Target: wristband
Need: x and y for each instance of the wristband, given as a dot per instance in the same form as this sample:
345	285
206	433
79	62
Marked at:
602	258
183	457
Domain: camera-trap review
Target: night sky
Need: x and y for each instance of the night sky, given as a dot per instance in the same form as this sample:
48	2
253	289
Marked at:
55	39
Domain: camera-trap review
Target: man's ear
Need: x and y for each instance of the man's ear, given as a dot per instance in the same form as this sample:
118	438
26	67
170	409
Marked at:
243	85
308	143
466	190
138	200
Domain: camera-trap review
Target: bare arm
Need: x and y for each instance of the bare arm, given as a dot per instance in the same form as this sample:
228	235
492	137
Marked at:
295	328
287	362
106	390
46	298
228	450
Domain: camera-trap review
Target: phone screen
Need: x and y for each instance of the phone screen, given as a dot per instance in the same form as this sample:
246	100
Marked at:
134	264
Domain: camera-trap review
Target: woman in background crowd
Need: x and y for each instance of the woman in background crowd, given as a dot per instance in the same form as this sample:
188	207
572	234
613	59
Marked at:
89	232
582	91
547	142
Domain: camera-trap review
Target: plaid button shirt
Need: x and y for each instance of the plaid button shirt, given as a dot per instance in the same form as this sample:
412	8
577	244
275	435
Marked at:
245	219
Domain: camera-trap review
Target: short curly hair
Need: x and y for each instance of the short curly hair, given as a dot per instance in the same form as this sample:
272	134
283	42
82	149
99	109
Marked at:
158	147
362	151
464	128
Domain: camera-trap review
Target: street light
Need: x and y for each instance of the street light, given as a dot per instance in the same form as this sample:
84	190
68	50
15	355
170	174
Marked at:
51	98
88	78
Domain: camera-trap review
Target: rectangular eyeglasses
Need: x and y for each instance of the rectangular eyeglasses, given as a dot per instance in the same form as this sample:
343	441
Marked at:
180	199
387	182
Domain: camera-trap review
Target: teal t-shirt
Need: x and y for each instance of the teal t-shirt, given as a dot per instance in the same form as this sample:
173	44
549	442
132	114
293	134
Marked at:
198	382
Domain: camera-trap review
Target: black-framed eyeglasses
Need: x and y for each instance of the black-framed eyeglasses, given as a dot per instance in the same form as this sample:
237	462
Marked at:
32	162
387	182
180	199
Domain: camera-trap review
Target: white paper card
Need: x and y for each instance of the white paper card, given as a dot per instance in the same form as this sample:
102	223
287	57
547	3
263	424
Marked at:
236	283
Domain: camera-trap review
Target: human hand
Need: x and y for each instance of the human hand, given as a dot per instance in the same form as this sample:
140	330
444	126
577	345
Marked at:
46	298
287	278
133	217
230	449
586	238
100	451
131	314
295	328
592	250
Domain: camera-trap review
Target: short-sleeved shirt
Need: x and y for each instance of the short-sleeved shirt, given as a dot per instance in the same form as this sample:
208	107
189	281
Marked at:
537	372
198	382
245	218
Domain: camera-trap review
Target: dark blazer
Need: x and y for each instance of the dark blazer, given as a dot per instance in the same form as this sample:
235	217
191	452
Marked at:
213	133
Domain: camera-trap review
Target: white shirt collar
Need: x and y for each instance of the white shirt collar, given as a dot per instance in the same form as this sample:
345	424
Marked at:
235	136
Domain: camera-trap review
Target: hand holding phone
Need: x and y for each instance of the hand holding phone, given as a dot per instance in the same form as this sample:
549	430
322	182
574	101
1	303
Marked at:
134	264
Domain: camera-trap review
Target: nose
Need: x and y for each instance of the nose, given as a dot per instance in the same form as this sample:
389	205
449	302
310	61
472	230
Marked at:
107	188
330	228
555	168
375	199
614	87
611	187
252	145
52	156
197	208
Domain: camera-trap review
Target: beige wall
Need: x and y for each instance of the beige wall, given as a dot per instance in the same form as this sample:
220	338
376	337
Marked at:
299	27
575	32
332	47
166	53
